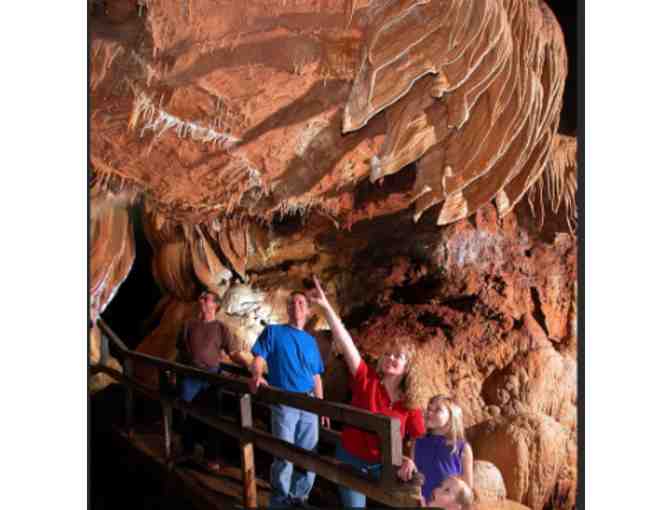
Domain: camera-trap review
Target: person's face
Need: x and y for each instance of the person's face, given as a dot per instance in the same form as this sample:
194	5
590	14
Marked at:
208	304
436	415
297	308
445	495
394	363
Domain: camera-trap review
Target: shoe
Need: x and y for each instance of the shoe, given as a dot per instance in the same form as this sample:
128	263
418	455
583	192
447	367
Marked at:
213	467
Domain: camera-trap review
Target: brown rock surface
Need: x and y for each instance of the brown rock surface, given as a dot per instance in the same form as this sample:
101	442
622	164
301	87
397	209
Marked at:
531	452
111	250
488	482
236	109
99	381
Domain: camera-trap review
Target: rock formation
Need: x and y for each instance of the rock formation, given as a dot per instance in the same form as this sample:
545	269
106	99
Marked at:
385	146
488	482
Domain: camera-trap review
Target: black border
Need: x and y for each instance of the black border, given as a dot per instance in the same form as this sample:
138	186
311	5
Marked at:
581	246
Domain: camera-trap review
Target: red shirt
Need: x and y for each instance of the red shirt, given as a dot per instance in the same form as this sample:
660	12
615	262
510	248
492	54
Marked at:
369	393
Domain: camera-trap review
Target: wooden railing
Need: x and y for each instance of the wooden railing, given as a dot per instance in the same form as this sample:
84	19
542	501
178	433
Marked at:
388	489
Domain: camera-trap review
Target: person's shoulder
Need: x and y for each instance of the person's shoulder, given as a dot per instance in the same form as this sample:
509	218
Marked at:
271	330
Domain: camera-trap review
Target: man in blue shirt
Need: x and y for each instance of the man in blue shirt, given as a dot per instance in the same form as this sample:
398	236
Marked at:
294	364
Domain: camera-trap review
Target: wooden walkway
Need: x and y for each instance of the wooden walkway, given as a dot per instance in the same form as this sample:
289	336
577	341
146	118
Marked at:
239	487
188	478
225	490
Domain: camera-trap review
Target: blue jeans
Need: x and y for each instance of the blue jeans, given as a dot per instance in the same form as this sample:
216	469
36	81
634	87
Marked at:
192	386
193	389
300	428
350	497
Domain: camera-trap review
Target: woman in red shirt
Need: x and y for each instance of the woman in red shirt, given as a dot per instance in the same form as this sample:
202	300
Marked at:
380	390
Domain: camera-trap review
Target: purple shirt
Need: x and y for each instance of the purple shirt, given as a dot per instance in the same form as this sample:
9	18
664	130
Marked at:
436	461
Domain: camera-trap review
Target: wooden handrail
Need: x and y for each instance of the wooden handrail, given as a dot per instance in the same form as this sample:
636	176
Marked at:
388	489
112	335
271	395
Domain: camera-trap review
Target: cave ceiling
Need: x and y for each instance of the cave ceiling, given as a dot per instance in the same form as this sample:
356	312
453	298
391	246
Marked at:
216	111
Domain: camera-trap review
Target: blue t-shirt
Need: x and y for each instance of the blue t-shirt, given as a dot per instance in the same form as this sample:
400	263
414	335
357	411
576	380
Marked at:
437	461
292	357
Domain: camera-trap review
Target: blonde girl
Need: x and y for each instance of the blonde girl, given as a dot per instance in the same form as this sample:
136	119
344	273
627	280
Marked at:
443	452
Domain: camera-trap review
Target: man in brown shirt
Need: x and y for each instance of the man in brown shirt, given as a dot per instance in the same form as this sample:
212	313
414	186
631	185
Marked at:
202	343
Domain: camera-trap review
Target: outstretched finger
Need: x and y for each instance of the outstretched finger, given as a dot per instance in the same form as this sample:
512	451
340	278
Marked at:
317	285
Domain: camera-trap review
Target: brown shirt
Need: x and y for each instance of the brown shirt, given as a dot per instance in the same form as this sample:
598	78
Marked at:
201	341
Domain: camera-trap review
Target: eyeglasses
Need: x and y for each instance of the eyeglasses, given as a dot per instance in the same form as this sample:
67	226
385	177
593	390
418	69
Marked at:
397	355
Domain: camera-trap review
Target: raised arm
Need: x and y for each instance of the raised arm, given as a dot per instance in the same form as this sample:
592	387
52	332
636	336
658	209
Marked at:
352	357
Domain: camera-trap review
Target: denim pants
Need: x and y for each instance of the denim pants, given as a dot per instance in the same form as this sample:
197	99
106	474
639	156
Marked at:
192	386
350	497
300	428
195	390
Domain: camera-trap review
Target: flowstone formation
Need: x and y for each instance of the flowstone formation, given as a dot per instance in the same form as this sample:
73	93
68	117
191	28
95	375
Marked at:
405	151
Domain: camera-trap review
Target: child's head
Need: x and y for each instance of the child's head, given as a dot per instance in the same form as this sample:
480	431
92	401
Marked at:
452	494
445	418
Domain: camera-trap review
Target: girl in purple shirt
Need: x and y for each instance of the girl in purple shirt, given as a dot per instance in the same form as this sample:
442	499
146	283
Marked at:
443	452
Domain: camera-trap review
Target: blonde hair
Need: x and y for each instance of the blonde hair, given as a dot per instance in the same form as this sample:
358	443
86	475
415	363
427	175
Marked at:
408	352
455	431
464	496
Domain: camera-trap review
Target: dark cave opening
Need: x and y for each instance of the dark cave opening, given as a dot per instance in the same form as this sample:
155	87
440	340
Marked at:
567	14
131	308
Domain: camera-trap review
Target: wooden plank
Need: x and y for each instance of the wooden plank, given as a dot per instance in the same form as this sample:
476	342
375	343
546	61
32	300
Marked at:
390	449
206	491
129	401
390	491
341	412
329	436
111	335
247	455
235	369
167	429
393	494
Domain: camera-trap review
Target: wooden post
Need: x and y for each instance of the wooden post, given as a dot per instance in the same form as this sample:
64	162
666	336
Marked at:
247	455
128	372
164	388
167	429
390	448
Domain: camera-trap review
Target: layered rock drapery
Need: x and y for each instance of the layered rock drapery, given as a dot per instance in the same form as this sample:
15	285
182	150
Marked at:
407	152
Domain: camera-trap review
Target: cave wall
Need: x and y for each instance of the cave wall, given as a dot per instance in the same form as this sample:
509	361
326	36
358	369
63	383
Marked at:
406	152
